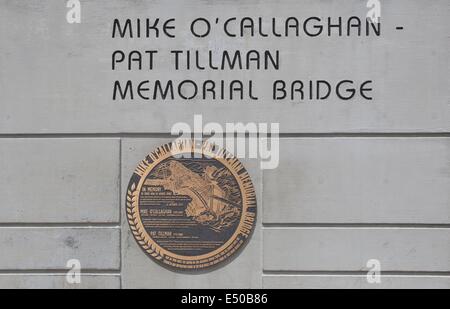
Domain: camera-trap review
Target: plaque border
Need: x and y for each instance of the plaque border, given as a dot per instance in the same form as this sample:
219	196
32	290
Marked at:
226	252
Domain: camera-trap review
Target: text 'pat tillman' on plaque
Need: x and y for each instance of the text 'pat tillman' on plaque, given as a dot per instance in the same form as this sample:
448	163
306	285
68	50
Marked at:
191	206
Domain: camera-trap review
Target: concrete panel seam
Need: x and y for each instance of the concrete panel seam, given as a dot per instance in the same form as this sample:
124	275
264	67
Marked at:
356	225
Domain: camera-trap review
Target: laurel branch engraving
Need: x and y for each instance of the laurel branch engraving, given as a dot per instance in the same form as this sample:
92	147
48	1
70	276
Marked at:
136	226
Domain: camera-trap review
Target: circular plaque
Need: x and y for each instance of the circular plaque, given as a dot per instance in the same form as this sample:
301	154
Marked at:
191	206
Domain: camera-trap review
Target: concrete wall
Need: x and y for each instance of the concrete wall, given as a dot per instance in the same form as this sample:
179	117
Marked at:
356	181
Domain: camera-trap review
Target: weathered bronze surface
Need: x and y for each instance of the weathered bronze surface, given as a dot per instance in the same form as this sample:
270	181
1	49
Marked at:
191	207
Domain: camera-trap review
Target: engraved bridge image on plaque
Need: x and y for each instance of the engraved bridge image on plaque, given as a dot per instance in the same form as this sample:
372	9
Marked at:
190	206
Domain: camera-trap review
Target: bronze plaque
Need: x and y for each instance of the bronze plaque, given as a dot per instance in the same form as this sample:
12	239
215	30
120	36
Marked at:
190	206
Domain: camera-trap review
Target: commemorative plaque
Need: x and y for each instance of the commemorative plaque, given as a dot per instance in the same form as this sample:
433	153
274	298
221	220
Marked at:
191	206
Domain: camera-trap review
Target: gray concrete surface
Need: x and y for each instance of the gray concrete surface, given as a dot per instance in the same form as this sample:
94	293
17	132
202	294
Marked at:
59	180
354	282
357	180
42	248
349	249
58	281
57	76
244	271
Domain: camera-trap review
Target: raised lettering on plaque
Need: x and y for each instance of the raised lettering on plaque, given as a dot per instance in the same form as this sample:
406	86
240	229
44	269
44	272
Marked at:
191	206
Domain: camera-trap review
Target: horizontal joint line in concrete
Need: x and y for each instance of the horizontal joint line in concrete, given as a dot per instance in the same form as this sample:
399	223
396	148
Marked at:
84	272
281	135
358	225
60	225
351	273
